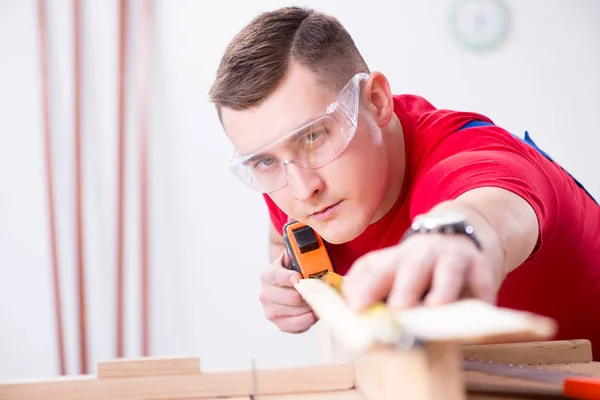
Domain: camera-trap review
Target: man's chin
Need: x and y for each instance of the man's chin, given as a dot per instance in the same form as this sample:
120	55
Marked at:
337	232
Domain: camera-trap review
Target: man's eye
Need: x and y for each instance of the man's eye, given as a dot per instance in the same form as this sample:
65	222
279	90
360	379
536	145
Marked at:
313	136
264	163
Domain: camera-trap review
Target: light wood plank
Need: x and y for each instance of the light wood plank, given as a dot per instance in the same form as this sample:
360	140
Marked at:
354	331
333	395
297	380
476	322
148	366
478	383
466	321
446	371
541	352
351	394
386	373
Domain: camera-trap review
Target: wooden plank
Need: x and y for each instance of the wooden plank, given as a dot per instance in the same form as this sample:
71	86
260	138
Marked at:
478	383
466	321
333	395
446	371
540	352
355	332
296	380
148	366
351	394
476	322
386	373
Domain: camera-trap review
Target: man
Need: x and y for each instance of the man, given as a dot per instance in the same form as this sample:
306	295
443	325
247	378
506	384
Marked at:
327	144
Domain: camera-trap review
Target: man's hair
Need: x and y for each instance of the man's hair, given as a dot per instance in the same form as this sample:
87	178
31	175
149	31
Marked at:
258	57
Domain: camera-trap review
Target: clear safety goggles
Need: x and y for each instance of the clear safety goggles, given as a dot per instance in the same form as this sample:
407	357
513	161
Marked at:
313	145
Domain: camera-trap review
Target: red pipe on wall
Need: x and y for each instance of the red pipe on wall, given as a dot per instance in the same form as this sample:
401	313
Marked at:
144	86
121	172
78	190
50	183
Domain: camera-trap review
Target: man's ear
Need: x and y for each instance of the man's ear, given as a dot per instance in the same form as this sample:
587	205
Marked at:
377	96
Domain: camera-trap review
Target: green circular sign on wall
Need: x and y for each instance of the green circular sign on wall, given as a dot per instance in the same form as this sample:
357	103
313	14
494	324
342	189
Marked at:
480	25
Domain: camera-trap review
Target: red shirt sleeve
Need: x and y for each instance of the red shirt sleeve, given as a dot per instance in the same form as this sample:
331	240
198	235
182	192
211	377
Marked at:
487	157
278	217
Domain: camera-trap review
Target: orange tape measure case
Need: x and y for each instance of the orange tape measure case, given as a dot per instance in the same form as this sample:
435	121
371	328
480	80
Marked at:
307	250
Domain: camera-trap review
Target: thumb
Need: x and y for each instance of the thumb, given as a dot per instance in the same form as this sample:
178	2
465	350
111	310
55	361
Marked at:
285	259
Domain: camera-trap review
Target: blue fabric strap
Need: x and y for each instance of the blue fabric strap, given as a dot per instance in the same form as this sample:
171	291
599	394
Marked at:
528	140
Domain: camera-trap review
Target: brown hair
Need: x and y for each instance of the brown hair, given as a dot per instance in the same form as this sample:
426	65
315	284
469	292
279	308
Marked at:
257	58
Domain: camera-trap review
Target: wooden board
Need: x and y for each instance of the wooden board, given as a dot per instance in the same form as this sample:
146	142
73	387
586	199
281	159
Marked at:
310	379
478	381
178	378
545	352
148	366
567	355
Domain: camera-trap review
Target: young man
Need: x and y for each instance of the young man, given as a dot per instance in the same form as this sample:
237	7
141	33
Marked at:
417	204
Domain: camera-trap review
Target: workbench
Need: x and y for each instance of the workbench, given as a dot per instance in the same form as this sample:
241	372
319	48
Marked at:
573	356
154	378
448	347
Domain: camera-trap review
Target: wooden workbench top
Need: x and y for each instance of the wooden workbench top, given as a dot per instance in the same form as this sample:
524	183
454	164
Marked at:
573	356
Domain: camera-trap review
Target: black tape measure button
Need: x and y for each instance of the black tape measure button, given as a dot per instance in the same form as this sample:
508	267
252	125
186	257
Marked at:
306	239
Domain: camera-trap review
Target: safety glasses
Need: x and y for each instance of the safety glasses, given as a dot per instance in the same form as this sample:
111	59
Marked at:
313	145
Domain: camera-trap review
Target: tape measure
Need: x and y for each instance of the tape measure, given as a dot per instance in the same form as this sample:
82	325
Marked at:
307	250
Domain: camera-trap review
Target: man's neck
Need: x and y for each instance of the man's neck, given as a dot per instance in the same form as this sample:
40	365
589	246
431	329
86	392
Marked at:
393	137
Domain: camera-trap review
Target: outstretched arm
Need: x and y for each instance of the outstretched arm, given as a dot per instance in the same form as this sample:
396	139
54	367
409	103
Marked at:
507	199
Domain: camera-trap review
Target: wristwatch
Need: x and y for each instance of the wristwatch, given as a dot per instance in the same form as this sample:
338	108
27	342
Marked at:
446	223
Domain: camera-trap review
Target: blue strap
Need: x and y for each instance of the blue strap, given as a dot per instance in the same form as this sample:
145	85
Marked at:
528	140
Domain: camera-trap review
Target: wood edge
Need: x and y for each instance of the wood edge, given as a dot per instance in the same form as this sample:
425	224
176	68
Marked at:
349	394
527	326
354	331
147	367
447	379
532	352
373	327
291	372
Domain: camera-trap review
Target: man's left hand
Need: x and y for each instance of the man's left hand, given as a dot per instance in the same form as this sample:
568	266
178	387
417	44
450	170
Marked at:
425	268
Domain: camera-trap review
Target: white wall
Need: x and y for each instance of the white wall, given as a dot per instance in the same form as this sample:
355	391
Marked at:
208	238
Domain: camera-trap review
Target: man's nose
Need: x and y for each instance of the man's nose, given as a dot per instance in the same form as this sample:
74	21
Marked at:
304	182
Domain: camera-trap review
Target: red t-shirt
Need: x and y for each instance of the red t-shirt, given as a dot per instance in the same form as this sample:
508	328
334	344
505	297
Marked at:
561	279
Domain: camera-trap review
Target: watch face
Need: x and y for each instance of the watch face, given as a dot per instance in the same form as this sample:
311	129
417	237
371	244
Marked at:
435	220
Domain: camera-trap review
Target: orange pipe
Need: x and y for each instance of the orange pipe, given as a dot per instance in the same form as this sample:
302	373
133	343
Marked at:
78	190
143	81
121	173
50	183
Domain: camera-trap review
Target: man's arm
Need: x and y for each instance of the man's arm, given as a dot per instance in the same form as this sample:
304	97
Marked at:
445	267
504	222
508	199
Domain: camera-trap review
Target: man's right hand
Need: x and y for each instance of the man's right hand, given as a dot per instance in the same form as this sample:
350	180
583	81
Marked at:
282	303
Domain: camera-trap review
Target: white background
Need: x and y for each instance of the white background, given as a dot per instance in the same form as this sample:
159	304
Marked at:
208	232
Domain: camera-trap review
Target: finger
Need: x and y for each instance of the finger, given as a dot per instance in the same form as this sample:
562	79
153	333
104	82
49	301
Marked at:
449	277
481	281
276	312
298	323
285	260
369	280
281	296
279	276
412	280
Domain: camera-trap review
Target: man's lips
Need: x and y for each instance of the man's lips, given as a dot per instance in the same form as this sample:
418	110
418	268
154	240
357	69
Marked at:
325	212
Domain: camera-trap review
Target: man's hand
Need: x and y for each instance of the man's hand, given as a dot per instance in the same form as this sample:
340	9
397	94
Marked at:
282	303
437	269
433	267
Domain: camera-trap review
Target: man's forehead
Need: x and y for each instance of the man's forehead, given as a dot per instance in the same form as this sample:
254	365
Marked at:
295	102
